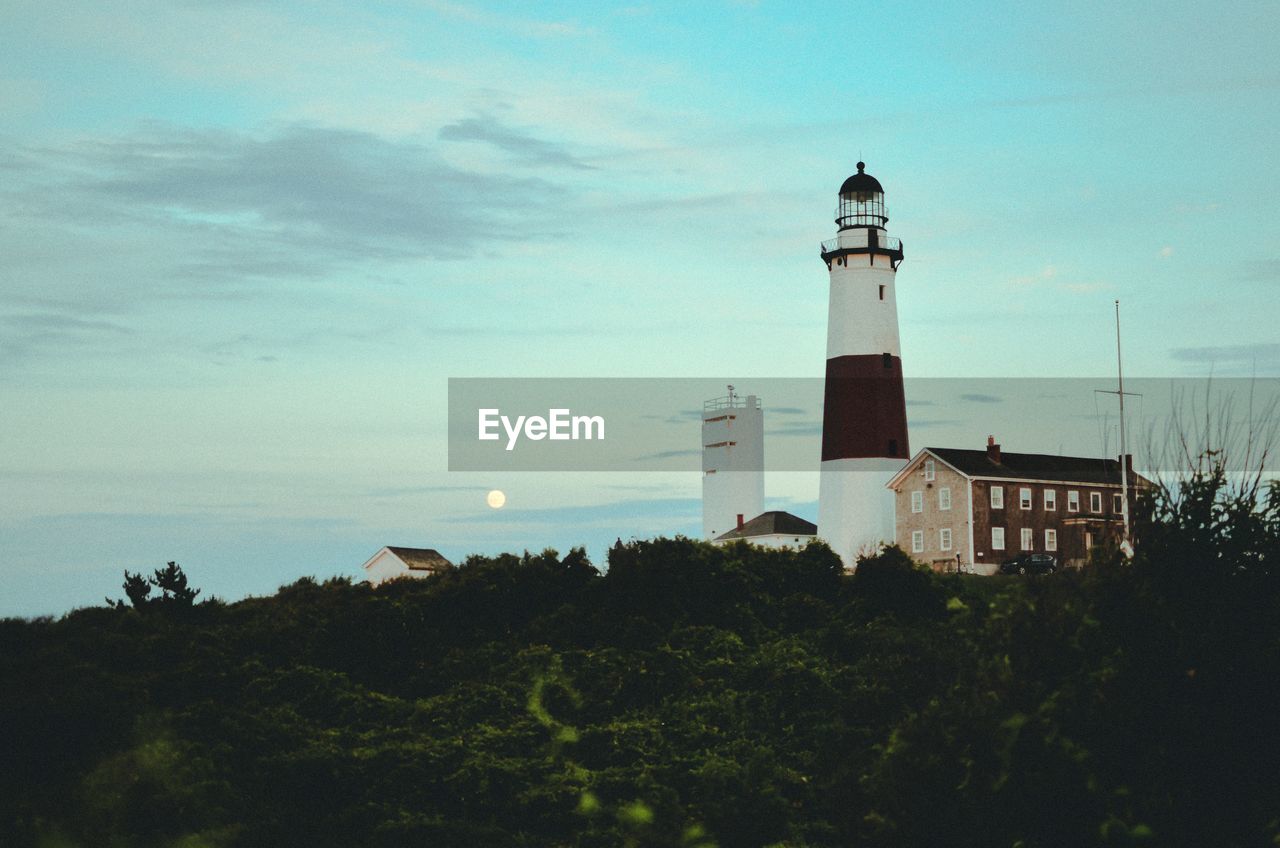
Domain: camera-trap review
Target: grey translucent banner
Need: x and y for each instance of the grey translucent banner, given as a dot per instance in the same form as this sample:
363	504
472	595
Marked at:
639	424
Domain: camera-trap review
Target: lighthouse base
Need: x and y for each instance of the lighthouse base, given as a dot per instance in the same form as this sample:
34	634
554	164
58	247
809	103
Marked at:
855	510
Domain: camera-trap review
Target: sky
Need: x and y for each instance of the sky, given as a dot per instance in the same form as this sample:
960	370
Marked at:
244	245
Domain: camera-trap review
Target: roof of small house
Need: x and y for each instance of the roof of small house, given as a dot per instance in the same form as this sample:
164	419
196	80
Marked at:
421	559
1034	466
775	523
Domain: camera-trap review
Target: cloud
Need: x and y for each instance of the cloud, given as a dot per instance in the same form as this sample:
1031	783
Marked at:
405	491
24	334
517	26
1266	353
345	190
981	398
1084	288
1048	272
667	454
797	428
522	145
623	514
1262	271
168	213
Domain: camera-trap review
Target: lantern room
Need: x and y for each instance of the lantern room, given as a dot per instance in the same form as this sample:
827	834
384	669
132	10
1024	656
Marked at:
861	202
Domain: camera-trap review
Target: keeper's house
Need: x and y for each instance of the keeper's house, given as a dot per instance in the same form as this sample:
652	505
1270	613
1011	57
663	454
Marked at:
973	509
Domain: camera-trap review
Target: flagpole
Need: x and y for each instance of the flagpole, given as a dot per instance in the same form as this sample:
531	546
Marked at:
1124	464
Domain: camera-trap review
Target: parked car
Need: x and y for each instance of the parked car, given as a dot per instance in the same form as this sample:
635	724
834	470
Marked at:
1030	564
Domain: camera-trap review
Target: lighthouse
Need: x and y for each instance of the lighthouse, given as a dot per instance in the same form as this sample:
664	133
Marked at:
864	423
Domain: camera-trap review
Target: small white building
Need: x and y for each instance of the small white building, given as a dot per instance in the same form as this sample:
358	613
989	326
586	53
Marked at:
775	529
391	563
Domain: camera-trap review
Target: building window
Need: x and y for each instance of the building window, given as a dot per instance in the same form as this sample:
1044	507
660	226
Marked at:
917	541
917	501
944	498
1050	500
1088	540
1028	539
1117	504
944	539
882	292
888	360
997	497
1073	501
1095	501
997	538
1051	540
930	470
1024	498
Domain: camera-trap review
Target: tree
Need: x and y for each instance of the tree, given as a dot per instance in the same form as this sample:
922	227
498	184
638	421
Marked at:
173	586
170	580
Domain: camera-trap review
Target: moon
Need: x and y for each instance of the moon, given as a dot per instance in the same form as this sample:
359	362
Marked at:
495	499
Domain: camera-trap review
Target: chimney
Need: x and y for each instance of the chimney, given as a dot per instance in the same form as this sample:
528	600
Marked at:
993	450
740	522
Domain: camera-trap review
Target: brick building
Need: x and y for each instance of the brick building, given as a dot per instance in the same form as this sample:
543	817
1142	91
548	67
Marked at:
976	508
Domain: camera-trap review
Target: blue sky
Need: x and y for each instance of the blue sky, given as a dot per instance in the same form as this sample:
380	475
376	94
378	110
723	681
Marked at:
244	245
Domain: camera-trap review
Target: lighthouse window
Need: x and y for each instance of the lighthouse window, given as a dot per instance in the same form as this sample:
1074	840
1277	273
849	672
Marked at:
882	292
893	447
888	360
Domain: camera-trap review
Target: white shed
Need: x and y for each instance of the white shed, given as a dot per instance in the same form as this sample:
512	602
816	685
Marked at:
390	563
772	530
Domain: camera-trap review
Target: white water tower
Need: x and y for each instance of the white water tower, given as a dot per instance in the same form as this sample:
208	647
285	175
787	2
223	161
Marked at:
732	462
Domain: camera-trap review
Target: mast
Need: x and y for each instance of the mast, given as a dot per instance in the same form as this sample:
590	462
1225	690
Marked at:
1125	544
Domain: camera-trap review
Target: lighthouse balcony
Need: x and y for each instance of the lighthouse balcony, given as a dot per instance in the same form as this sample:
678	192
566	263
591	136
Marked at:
862	241
731	402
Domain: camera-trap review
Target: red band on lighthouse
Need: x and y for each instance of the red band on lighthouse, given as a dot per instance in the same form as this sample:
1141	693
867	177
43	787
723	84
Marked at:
864	408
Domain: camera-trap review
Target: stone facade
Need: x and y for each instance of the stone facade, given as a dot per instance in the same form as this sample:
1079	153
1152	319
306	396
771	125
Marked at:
921	533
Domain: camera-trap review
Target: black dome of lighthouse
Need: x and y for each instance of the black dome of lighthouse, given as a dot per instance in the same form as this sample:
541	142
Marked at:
861	202
861	183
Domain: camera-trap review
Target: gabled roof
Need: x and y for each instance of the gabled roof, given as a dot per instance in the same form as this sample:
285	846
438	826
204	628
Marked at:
1030	466
776	523
421	559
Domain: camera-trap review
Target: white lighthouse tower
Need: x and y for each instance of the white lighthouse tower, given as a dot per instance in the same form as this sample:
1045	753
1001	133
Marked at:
864	426
732	463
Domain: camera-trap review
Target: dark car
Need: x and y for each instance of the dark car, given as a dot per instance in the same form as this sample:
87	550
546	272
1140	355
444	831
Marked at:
1030	564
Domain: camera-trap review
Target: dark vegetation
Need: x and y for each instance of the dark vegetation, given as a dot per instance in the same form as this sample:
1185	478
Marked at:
691	696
